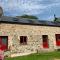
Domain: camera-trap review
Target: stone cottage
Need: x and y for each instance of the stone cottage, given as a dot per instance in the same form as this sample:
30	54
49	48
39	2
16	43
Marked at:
24	36
19	36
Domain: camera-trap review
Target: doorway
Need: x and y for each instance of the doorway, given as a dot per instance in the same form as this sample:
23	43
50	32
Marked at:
45	41
58	39
3	42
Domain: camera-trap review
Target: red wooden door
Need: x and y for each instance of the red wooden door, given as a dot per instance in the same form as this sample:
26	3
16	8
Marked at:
45	41
58	39
0	42
3	42
45	44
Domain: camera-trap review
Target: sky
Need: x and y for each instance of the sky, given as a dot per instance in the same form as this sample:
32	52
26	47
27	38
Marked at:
43	9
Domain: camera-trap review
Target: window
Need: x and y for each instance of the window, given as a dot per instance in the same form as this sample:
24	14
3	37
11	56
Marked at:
45	41
23	40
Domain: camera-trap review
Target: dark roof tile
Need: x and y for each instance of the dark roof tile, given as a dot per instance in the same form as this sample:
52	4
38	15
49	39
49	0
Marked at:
6	19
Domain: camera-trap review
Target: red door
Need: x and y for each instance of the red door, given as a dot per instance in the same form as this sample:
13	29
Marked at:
58	39
45	44
45	41
0	42
3	42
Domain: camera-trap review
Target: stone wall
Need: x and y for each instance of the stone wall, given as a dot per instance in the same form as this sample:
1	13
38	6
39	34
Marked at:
34	34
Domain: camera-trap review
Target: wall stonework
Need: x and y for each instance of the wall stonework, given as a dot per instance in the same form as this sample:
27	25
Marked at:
34	34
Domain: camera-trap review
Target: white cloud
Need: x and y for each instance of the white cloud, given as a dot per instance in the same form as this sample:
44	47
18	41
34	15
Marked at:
28	6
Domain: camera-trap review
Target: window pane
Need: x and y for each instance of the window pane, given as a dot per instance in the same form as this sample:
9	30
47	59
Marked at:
25	38
21	39
4	40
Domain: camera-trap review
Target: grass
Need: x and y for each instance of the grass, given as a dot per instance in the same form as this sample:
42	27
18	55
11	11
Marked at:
40	56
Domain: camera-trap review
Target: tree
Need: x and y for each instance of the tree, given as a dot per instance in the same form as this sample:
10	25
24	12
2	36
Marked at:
1	11
56	19
27	16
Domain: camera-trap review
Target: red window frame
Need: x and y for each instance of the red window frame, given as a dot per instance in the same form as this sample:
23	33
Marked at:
23	40
45	41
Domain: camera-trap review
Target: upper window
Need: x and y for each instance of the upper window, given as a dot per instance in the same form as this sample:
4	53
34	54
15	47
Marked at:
23	40
45	41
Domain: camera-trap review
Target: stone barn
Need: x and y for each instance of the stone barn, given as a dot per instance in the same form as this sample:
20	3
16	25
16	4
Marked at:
19	36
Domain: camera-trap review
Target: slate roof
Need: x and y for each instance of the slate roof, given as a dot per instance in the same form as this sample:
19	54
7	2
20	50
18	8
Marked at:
14	20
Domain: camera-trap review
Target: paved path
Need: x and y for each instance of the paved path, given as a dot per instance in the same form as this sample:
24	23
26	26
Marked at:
56	59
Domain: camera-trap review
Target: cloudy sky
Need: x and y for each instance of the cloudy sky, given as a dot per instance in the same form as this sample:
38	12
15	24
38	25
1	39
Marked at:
43	9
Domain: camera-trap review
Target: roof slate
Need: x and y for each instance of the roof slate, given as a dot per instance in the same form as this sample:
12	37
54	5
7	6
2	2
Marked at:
14	20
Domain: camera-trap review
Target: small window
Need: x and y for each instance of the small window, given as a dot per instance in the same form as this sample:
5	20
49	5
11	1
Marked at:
45	41
23	40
